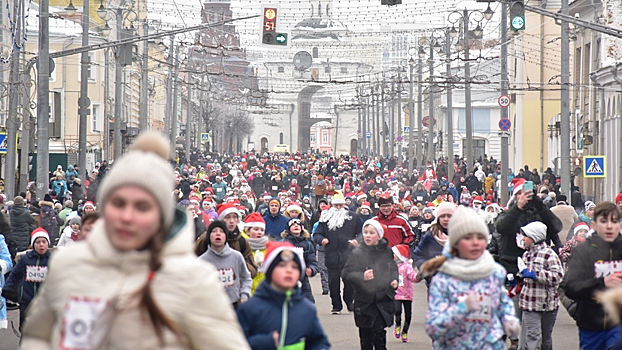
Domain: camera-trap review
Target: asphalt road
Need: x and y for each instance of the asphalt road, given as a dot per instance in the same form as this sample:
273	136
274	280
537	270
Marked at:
343	335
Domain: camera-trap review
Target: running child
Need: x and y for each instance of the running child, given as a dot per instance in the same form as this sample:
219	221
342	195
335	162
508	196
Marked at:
404	292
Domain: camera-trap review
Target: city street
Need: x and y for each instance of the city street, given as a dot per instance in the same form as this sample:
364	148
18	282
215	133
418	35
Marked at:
343	335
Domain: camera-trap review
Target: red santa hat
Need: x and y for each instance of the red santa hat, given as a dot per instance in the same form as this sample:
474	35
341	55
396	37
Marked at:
195	199
88	204
361	196
518	183
402	252
365	205
294	206
254	220
37	233
281	251
581	226
226	208
478	199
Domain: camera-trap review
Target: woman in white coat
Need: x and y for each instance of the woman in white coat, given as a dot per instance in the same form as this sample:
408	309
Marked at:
135	282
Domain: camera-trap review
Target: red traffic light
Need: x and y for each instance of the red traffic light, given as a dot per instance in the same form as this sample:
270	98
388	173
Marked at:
270	14
577	161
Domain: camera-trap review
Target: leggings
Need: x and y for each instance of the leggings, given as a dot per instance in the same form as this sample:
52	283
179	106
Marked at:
408	312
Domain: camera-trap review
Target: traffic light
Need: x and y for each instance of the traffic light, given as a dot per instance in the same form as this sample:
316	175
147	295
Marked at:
269	35
577	161
578	124
390	2
517	15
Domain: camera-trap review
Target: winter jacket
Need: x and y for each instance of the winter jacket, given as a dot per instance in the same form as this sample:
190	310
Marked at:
541	294
274	187
398	229
93	271
510	221
22	224
60	186
338	248
265	311
275	224
232	271
407	276
450	324
591	261
77	194
6	264
375	296
568	216
220	189
236	241
27	276
50	221
305	246
427	249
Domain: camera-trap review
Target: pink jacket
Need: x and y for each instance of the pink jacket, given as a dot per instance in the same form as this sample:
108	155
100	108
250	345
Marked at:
407	279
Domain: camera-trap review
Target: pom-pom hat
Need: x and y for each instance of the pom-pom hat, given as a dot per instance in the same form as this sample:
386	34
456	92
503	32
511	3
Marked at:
254	220
281	251
38	233
144	166
465	221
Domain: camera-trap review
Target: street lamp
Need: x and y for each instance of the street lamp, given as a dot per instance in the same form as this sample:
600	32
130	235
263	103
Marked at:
466	17
71	10
106	30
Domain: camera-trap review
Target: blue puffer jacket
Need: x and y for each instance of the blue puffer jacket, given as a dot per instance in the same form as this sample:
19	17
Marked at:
275	224
263	314
427	249
18	279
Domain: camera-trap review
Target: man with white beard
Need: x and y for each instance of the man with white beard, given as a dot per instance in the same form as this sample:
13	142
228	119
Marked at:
336	231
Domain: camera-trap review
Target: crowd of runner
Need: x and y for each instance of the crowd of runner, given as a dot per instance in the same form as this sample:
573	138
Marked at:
90	265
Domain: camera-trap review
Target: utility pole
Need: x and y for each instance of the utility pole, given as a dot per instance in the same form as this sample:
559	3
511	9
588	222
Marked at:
450	111
364	126
84	102
399	117
378	128
467	94
411	118
168	112
420	112
174	115
390	139
14	103
118	93
431	105
43	101
565	107
374	130
189	116
27	137
385	145
144	81
505	157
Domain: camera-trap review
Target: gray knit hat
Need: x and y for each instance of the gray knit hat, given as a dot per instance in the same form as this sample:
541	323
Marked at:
464	221
145	166
19	200
535	230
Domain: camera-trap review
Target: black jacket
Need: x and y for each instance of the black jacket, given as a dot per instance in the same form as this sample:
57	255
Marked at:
581	282
22	224
374	296
338	248
510	221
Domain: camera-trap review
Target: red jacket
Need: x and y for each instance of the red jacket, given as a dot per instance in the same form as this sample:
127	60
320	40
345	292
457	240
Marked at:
398	229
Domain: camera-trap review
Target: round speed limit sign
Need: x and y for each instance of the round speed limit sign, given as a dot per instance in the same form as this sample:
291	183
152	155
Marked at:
504	101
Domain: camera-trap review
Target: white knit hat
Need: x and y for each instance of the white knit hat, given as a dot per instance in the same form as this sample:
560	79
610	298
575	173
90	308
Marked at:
145	166
377	225
463	222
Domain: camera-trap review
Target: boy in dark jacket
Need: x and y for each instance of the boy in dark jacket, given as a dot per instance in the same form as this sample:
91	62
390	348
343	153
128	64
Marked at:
596	265
278	316
300	238
29	273
373	273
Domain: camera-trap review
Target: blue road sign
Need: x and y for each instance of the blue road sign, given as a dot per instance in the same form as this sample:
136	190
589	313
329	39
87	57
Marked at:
369	135
594	166
406	130
3	144
505	124
204	137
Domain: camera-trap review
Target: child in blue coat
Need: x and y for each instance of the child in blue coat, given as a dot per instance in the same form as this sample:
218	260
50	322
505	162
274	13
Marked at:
278	316
6	264
300	238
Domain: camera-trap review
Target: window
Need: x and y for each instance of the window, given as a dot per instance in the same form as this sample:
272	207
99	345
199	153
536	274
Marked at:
344	70
96	118
327	69
481	120
281	69
479	148
281	138
324	137
92	67
316	52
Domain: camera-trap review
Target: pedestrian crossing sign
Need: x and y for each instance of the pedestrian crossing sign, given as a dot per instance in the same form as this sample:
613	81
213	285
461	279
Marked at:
3	143
594	166
205	137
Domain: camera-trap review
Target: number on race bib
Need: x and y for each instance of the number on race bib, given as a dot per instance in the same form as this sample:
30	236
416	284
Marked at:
227	277
484	314
78	322
401	281
36	274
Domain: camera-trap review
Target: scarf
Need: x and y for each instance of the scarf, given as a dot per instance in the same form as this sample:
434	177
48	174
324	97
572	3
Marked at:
440	236
469	270
258	243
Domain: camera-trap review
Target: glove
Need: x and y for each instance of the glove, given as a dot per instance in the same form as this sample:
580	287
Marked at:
512	282
511	328
527	273
537	203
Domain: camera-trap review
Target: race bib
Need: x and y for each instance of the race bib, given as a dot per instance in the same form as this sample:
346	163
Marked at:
219	189
606	268
420	198
484	314
375	205
78	322
275	188
227	277
401	281
36	273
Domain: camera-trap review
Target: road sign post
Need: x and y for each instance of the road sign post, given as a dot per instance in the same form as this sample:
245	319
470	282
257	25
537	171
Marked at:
205	138
505	124
594	166
504	101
